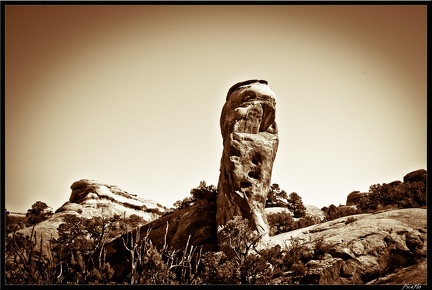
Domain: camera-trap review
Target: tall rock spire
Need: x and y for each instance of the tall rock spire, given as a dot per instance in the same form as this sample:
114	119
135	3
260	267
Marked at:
250	143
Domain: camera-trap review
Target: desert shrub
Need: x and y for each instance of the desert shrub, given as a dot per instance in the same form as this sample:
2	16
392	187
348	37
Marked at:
202	191
349	220
256	270
147	263
240	242
77	256
275	256
320	248
297	251
24	260
219	269
281	222
74	252
185	202
126	224
276	197
408	194
295	204
14	223
100	276
332	212
307	221
39	211
397	194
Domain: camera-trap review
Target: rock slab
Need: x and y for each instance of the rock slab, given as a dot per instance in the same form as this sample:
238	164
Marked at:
361	248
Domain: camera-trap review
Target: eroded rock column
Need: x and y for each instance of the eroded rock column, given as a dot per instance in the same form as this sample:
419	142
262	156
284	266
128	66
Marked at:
250	143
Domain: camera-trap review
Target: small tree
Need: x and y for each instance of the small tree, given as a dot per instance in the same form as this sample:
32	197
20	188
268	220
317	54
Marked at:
296	205
204	192
281	222
79	250
276	196
39	211
240	242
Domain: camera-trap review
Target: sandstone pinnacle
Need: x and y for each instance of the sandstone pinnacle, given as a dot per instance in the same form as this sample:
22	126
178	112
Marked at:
250	143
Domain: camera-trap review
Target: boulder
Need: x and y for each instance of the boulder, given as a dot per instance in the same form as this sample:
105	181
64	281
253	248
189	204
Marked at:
250	143
353	198
418	175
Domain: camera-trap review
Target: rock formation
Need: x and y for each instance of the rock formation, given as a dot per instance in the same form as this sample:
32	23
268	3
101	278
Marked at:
417	175
250	142
353	198
360	248
90	198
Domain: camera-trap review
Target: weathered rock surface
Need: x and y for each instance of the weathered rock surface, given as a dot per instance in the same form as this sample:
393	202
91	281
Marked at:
416	275
359	251
90	198
250	143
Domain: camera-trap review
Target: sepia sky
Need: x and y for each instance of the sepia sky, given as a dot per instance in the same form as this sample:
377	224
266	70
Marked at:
131	96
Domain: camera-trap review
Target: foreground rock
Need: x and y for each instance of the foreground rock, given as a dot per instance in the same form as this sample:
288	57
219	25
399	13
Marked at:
416	176
415	275
250	142
358	249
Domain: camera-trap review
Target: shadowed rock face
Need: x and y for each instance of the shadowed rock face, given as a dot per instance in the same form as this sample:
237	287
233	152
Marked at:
250	143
